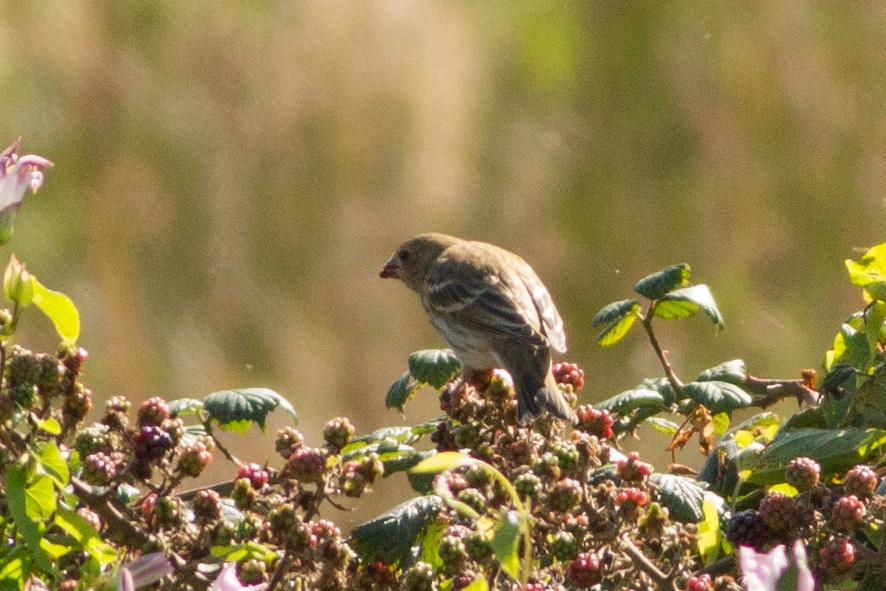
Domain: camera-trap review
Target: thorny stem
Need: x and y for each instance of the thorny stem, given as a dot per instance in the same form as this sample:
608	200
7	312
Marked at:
281	569
675	382
644	564
117	523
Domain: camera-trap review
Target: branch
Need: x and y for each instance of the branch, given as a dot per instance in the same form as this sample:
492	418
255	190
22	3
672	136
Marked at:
118	524
768	392
644	564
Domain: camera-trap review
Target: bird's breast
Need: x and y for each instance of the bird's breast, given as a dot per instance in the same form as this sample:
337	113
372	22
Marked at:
472	349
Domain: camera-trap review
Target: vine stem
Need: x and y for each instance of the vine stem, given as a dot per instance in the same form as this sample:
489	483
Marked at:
673	380
644	564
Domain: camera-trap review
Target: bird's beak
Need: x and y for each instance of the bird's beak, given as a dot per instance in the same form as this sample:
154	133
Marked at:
391	270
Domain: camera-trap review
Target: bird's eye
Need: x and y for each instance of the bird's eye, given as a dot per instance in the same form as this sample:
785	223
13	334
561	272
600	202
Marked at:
403	255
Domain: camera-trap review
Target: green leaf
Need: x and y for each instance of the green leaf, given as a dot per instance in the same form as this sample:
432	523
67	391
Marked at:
183	407
447	460
681	495
506	542
14	565
870	272
478	584
434	366
407	435
51	461
83	533
48	425
401	462
242	552
658	284
234	408
721	423
685	302
733	372
391	537
619	316
836	450
709	533
20	503
380	448
629	400
662	425
60	309
401	391
718	396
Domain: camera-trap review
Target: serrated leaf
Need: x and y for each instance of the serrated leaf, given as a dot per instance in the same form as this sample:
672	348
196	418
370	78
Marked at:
391	537
718	396
59	309
447	460
685	302
182	407
404	461
233	408
407	435
401	391
733	372
629	400
614	311
434	366
658	284
836	450
681	495
506	542
619	317
870	271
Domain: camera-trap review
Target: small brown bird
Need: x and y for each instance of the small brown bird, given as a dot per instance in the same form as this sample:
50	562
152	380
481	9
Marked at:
494	312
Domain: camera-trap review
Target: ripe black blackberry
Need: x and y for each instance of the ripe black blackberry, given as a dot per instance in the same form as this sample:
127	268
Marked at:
747	528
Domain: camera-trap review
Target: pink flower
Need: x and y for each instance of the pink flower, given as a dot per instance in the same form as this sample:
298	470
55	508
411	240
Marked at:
762	571
17	174
227	580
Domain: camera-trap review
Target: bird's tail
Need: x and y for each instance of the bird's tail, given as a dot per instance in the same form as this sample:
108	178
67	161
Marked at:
537	391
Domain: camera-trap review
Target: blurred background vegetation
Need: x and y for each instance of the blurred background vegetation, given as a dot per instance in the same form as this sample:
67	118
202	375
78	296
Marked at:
230	177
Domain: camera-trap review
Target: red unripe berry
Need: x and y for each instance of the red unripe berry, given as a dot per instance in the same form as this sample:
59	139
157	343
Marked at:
584	571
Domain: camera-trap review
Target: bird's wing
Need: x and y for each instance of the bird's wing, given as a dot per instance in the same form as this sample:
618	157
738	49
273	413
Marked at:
483	296
551	323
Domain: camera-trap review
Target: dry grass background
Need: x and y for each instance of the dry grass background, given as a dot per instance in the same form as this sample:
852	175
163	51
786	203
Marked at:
231	175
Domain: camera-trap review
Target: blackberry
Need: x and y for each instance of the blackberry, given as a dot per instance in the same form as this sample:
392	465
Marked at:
338	433
632	469
747	528
151	443
779	511
584	571
288	440
571	374
419	577
194	459
564	546
307	464
595	422
848	513
257	476
565	495
91	517
700	583
528	485
153	411
802	473
860	481
207	507
836	558
99	469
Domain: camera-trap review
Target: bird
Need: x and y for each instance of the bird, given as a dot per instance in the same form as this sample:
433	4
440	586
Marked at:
494	312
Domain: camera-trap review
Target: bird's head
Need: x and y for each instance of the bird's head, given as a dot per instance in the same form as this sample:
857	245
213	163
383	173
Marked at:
411	260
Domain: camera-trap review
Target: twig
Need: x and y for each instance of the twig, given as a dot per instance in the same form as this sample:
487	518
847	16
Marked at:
644	564
673	380
117	523
281	569
769	391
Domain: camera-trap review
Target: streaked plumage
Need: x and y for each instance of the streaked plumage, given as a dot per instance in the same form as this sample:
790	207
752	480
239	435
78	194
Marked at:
492	309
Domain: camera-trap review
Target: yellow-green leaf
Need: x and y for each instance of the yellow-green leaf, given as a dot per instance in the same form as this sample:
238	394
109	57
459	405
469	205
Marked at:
447	460
60	309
